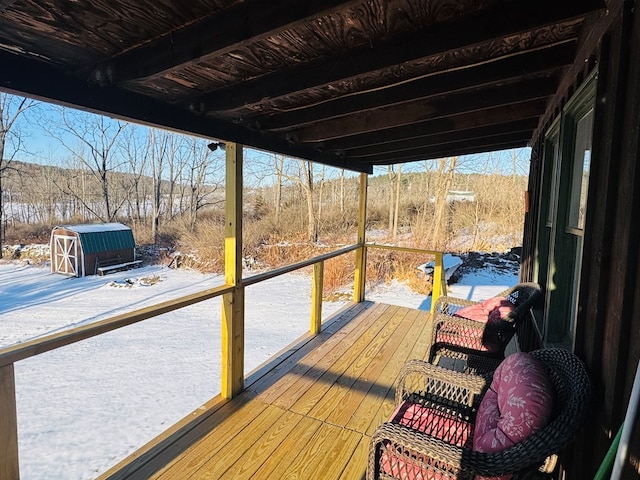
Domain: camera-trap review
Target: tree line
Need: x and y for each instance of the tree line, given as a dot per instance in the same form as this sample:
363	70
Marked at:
158	181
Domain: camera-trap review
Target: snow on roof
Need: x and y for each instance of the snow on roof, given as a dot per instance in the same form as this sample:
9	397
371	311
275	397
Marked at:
448	261
96	227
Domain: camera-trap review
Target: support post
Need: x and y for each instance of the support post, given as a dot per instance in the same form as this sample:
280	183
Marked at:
439	281
9	465
233	303
316	297
361	254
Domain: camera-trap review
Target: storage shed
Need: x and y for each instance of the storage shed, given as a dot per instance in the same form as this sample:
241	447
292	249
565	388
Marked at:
91	249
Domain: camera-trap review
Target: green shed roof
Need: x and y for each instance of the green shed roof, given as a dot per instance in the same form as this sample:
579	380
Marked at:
103	237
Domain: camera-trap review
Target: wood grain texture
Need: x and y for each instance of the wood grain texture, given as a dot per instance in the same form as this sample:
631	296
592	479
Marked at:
273	75
310	415
9	468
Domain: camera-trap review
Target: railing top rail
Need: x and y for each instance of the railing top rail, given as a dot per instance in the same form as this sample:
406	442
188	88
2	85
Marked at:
403	249
50	342
261	277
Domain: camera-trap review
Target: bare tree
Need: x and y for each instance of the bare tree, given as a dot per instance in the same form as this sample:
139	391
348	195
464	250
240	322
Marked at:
444	179
40	199
201	161
278	161
394	235
303	177
178	158
391	175
136	149
93	141
342	192
320	184
395	179
11	140
158	143
306	181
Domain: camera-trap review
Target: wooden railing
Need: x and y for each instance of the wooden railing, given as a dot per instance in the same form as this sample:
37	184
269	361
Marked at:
439	277
232	311
9	356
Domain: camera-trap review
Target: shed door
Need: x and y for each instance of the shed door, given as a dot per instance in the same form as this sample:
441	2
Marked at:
65	254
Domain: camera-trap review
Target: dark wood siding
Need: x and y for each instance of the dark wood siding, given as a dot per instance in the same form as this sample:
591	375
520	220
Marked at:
608	323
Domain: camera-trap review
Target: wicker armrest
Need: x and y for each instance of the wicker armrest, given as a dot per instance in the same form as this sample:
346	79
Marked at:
471	328
446	458
421	444
447	384
398	449
440	319
450	305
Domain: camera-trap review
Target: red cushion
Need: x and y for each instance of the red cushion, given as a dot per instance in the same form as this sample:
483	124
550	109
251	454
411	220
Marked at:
489	311
518	403
407	465
434	422
462	336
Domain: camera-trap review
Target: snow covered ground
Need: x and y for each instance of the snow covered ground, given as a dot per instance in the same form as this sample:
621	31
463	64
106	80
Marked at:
84	407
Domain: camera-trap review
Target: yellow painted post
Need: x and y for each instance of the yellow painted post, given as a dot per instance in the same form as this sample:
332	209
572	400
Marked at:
9	465
316	297
443	281
233	303
360	275
439	281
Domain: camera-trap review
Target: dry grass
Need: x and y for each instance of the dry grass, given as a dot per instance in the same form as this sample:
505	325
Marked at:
204	248
338	272
270	242
23	233
383	266
266	247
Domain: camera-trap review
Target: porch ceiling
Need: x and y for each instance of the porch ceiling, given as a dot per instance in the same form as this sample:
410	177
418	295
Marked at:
350	83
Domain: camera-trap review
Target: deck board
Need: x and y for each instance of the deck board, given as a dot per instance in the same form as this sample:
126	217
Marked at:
385	365
264	450
292	446
320	362
359	352
307	414
345	395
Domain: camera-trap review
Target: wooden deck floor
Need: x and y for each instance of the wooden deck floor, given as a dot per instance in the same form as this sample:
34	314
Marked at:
307	414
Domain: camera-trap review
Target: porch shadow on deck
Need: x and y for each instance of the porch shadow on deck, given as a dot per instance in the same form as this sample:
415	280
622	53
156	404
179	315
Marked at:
307	413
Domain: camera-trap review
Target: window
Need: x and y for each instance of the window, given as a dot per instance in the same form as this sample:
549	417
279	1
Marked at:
567	157
580	176
553	145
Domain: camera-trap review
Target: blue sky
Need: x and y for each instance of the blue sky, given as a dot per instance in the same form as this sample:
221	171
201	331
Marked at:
41	147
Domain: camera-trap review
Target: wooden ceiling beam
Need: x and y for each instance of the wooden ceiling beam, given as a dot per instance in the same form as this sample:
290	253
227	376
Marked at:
5	4
454	150
506	19
526	126
412	112
25	76
491	116
429	151
228	29
501	70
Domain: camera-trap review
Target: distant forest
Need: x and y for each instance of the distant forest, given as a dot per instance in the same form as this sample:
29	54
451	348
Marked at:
170	189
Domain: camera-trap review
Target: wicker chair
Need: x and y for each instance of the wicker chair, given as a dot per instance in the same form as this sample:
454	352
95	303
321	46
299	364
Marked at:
428	451
459	343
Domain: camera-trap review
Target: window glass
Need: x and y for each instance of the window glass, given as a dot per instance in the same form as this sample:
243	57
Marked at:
580	175
555	178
